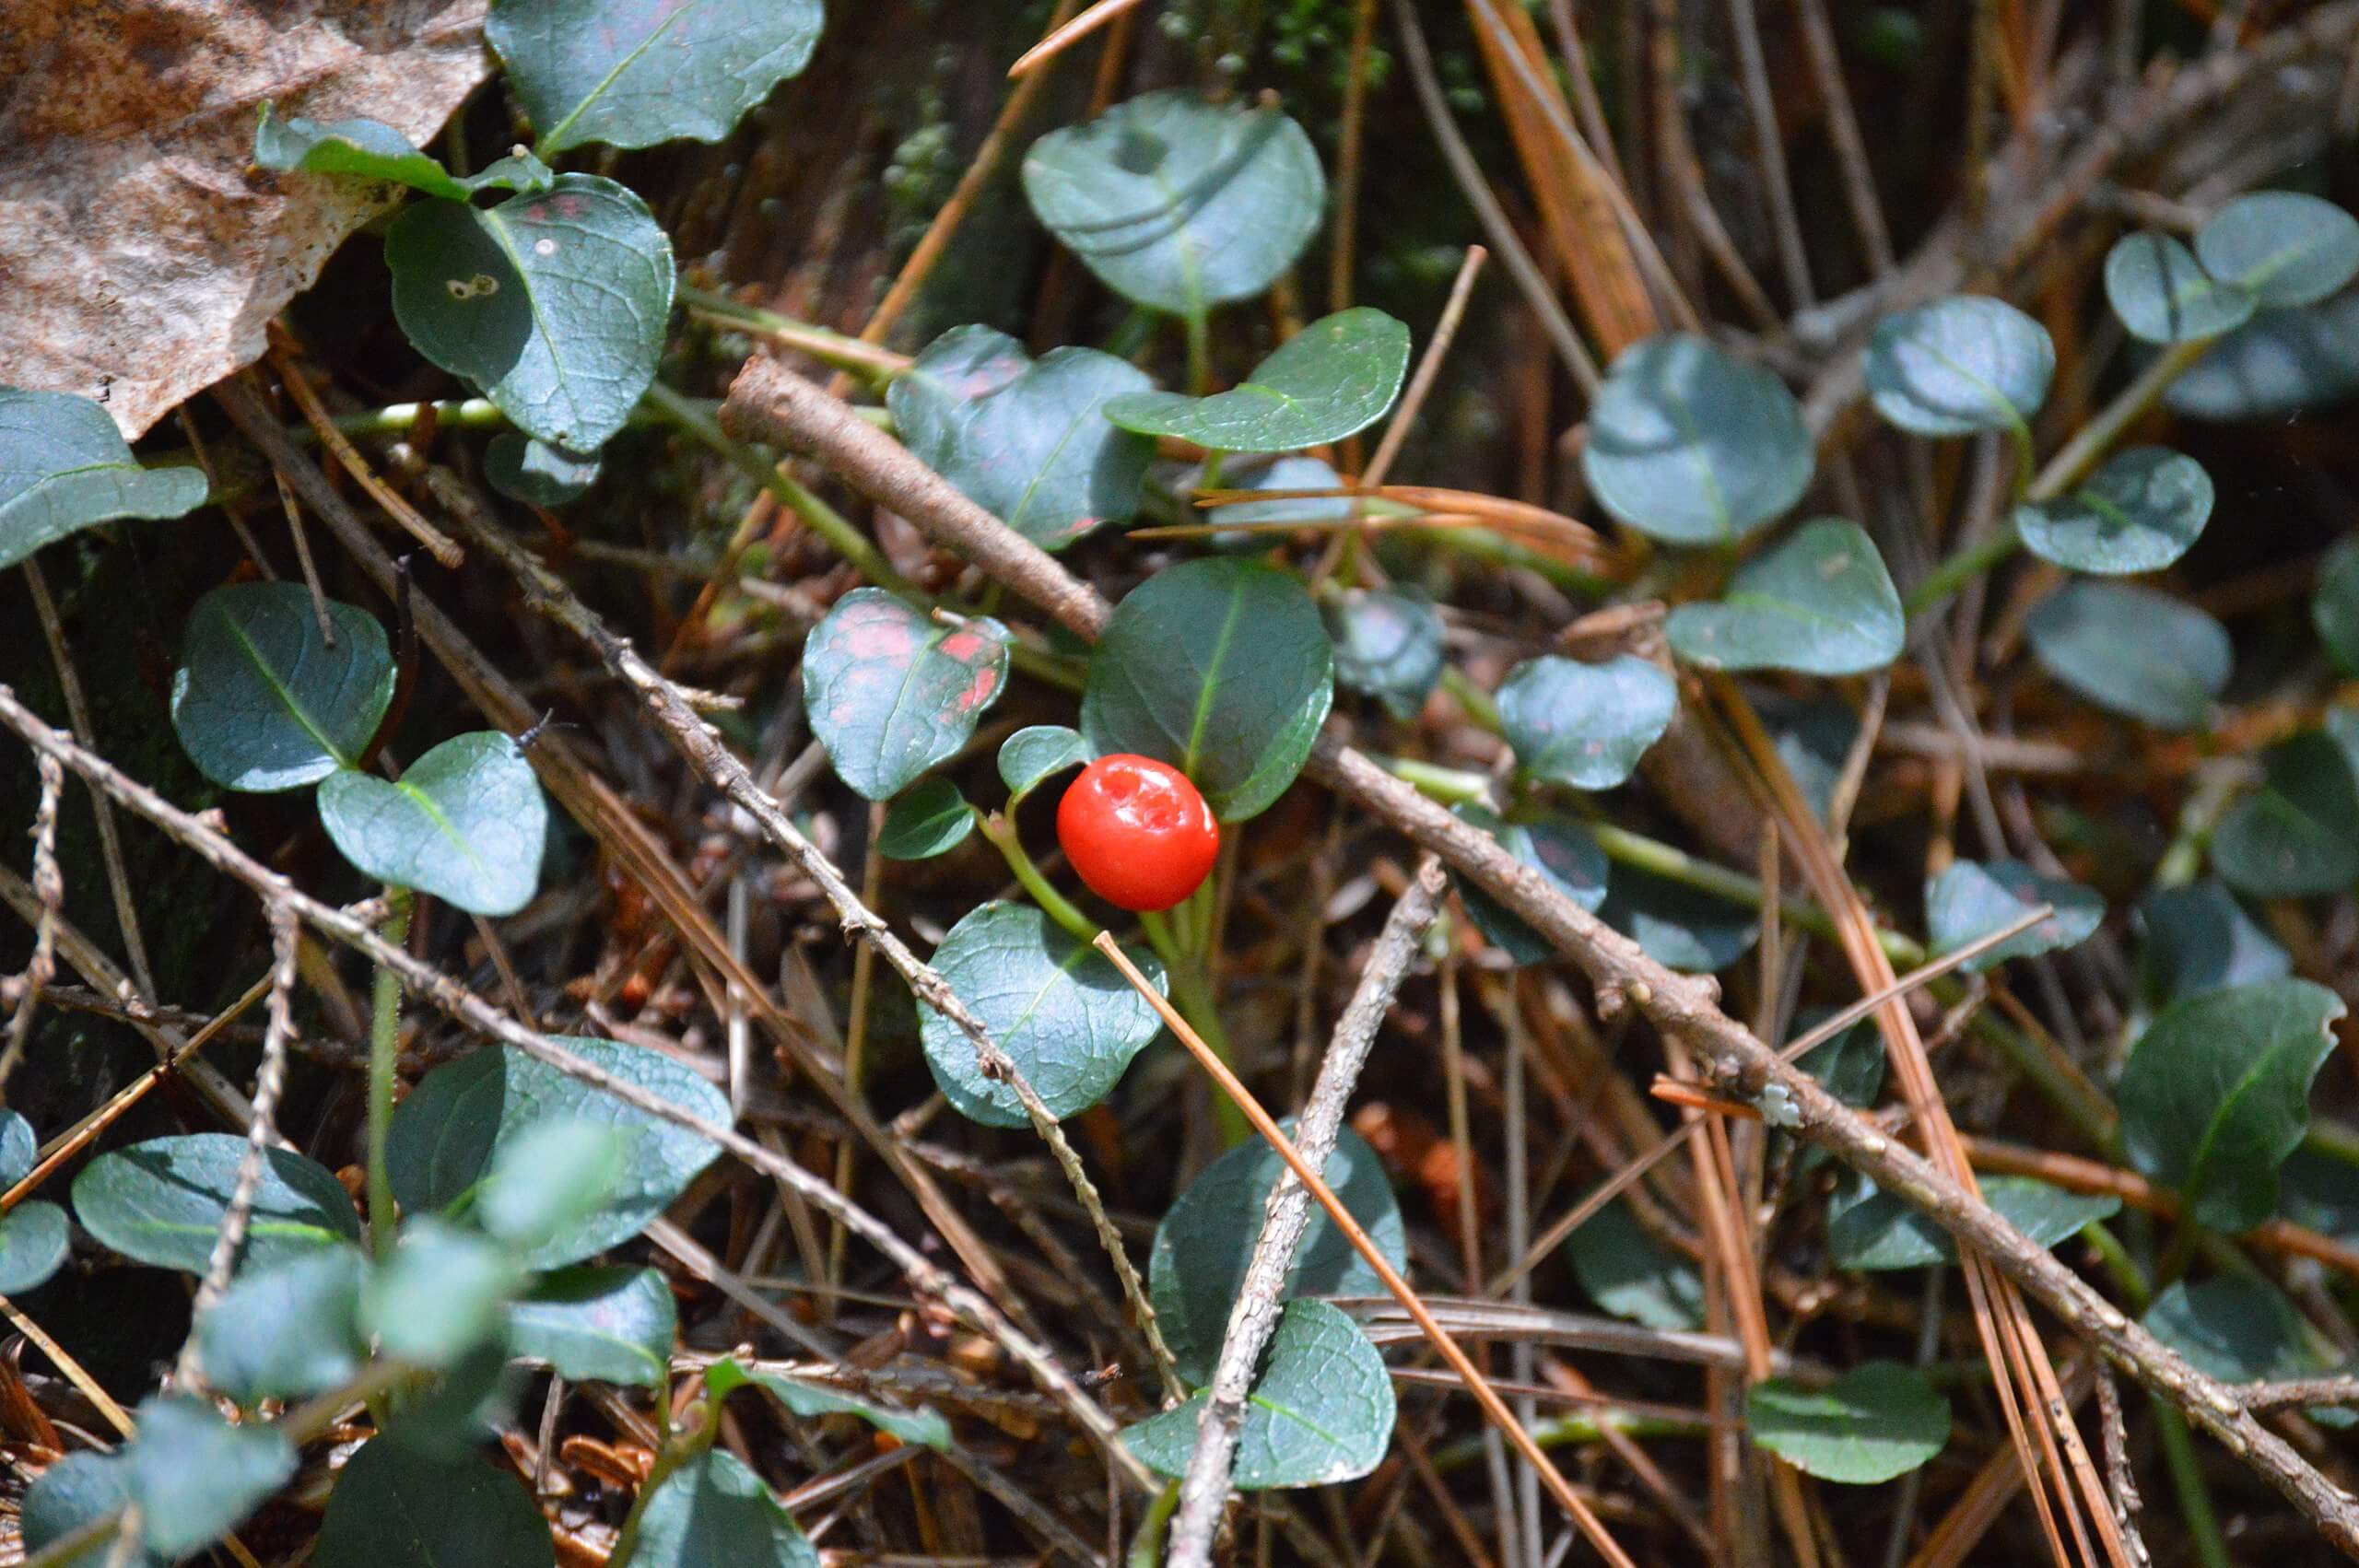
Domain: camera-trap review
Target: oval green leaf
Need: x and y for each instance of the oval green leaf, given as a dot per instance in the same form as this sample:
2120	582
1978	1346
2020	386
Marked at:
547	1179
396	1507
2199	939
1039	752
1220	668
1388	644
442	1296
1876	1421
929	818
532	472
72	1495
2334	609
20	1148
162	1202
287	1331
1333	379
2298	834
34	1238
2216	1093
1630	1274
891	693
1057	1006
2132	650
1677	926
2280	362
2138	513
1819	602
713	1510
1561	850
1958	366
1585	725
64	467
1691	446
1970	899
1177	204
2284	248
262	702
597	1325
194	1477
2241	1329
465	822
2163	294
1870	1231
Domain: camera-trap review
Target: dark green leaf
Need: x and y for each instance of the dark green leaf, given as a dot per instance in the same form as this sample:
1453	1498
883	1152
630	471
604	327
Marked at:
463	1407
1039	752
2241	1329
1876	1421
1320	1410
1814	737
1560	850
593	1324
442	1294
465	822
1333	379
551	1176
195	1476
1585	725
2132	650
75	1493
2138	513
1630	1274
63	467
2335	609
1819	602
1028	442
1970	899
1177	204
712	1510
262	702
1677	926
2199	939
2163	294
1848	1066
162	1202
1958	366
1388	643
809	1399
2280	362
396	1507
1221	668
287	1332
1059	1010
2299	833
536	473
2216	1093
1868	1230
20	1148
633	73
1208	1237
2322	1193
891	693
554	304
1692	447
454	1127
34	1238
929	818
2284	248
370	149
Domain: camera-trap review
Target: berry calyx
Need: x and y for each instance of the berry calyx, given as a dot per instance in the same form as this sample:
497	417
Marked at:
1137	832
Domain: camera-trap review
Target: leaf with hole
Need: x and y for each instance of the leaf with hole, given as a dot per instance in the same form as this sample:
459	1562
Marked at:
1869	1231
73	1495
1819	602
34	1239
633	73
2298	834
891	693
1630	1274
2216	1093
452	1130
1677	926
287	1331
1055	1005
371	149
1691	446
442	1294
1333	379
1388	644
1319	1412
811	1401
162	1202
1038	753
1878	1420
2199	939
1972	898
2240	1330
2132	650
395	1507
1565	854
1208	1237
529	470
554	304
2280	362
713	1510
929	818
2163	294
1585	725
1221	668
2138	513
2284	248
1028	441
194	1477
64	467
262	702
1958	366
597	1325
2334	608
466	823
1177	204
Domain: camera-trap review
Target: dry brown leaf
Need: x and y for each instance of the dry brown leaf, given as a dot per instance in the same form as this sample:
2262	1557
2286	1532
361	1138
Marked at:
140	254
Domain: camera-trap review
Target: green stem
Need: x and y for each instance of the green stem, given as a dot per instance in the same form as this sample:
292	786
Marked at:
877	365
2128	1278
2186	1479
1191	993
1479	704
1146	1547
1199	352
683	1444
1962	567
1055	904
384	1048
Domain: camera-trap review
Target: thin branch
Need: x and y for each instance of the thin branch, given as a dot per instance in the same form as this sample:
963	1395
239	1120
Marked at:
1421	385
22	991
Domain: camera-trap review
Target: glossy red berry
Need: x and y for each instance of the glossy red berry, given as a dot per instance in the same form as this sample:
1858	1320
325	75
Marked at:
1137	832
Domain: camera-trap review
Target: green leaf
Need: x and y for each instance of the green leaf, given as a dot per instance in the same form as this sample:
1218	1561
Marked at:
1585	725
1849	1065
1876	1421
1691	446
261	702
2163	294
194	1477
536	473
20	1148
1958	366
1039	752
1333	379
2241	1329
1388	642
395	1507
2298	834
1813	735
2335	609
601	1325
371	150
633	73
1320	1410
2284	248
926	1429
162	1202
287	1332
713	1510
1677	926
465	822
1177	204
554	304
63	467
1630	1274
462	1408
1208	1237
75	1493
463	1117
1868	1230
551	1176
1559	849
34	1239
929	818
891	693
1057	1006
2216	1093
1819	603
1028	443
1220	668
2138	513
2199	939
442	1294
1970	899
2133	651
2322	1193
2280	362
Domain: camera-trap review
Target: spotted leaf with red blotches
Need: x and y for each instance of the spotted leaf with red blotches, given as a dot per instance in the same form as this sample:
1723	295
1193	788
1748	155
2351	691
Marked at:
891	693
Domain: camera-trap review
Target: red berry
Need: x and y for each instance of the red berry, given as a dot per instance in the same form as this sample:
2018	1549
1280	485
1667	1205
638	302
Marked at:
1137	832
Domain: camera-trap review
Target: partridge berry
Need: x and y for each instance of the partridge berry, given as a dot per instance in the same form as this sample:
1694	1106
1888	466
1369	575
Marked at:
1137	832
